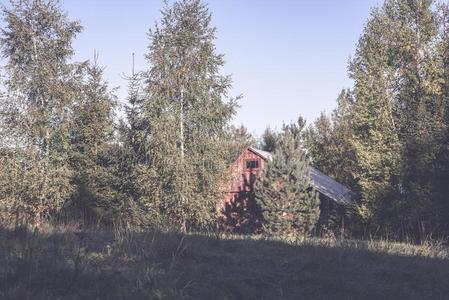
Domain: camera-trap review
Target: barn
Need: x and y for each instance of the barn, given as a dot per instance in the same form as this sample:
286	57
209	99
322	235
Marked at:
239	212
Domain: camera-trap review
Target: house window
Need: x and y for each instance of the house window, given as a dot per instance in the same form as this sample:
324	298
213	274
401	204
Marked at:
252	164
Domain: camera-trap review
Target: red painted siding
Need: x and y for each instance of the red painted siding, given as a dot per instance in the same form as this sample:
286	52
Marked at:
239	171
238	210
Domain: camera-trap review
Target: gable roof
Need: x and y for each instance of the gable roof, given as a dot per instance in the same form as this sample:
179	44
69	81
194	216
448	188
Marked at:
324	184
330	187
264	154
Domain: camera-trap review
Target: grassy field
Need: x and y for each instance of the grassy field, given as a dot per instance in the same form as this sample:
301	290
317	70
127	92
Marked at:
60	263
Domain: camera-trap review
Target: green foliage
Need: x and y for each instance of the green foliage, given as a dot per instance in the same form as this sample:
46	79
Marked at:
290	206
41	86
388	137
328	141
180	122
270	140
375	140
16	187
238	139
399	114
92	154
165	165
441	186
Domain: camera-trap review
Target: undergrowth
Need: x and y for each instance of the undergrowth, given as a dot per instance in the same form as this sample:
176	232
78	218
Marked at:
63	262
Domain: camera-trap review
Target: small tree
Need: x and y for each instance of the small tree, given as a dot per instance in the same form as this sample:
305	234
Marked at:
290	206
270	139
91	138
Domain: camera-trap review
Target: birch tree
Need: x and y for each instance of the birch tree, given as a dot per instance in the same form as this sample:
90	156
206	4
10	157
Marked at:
41	86
185	112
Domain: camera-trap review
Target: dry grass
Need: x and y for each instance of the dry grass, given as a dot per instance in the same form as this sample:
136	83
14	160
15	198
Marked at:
64	263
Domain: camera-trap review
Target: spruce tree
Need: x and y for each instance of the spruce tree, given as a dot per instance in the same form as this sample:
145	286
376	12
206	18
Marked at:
328	141
91	135
41	86
342	118
140	180
320	144
238	139
289	205
270	140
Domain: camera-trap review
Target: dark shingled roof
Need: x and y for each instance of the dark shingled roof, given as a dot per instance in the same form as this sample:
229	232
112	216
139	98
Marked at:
322	183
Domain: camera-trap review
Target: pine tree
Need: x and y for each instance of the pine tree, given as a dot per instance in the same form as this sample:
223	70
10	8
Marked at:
342	118
320	144
185	112
290	206
270	140
328	141
239	139
40	85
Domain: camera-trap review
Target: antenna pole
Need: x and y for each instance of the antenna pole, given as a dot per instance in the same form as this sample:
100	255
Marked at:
133	64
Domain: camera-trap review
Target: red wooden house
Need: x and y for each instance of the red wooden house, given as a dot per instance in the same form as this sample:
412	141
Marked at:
246	168
239	211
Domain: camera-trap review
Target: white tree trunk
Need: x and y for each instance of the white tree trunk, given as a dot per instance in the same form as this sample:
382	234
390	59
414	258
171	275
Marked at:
181	122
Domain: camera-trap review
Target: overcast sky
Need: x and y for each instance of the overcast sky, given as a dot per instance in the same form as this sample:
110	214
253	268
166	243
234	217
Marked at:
287	57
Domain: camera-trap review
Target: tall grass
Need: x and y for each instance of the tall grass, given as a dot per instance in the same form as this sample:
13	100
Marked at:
64	262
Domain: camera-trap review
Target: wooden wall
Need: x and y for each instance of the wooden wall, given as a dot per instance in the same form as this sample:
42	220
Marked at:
239	211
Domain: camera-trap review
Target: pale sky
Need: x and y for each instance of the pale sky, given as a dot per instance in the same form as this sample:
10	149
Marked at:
287	57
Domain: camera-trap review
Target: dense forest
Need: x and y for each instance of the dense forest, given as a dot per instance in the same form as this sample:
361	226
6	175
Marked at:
69	153
388	137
